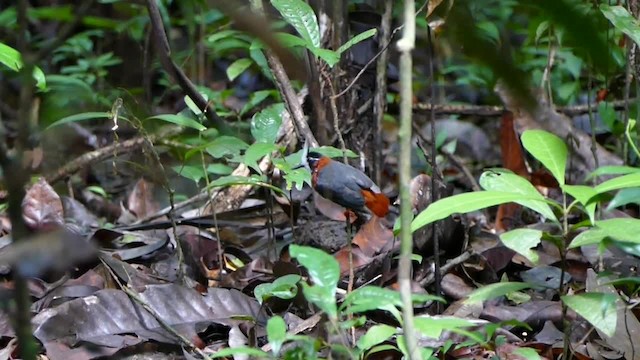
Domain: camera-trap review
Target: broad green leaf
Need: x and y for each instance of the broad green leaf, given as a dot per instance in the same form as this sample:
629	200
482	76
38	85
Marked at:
369	298
219	169
180	120
322	298
613	170
276	333
80	117
375	335
522	241
549	149
195	173
240	350
12	59
226	145
238	67
256	152
332	152
301	16
619	229
255	99
582	194
527	353
624	197
219	35
492	291
290	40
464	203
541	30
599	309
621	182
433	327
509	182
356	39
622	20
284	287
231	180
323	268
293	176
266	123
423	353
324	272
329	56
192	105
98	190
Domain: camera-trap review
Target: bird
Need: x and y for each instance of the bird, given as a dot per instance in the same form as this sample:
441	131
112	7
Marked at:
346	186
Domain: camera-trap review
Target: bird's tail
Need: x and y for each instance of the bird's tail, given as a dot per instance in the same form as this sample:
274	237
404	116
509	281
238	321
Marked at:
378	203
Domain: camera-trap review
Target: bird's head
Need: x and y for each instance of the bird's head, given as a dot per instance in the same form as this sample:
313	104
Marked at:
313	158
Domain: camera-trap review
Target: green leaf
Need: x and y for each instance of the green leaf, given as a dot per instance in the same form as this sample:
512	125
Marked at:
256	152
622	20
624	197
240	350
492	291
613	170
12	59
522	241
619	229
276	333
253	180
527	353
369	298
266	123
332	152
324	272
599	309
301	16
80	117
549	149
322	298
375	335
356	39
192	106
284	287
255	99
582	194
541	30
621	182
219	169
238	67
290	40
179	120
329	56
509	182
464	203
323	268
98	190
433	327
226	145
195	173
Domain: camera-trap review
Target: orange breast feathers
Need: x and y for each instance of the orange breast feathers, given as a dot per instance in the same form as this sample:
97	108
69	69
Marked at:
324	161
378	203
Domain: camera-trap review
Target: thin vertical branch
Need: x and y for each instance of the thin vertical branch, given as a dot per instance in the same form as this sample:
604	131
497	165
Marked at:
13	164
379	99
436	177
405	46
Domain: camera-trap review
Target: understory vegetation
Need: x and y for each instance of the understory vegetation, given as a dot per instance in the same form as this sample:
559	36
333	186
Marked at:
157	196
